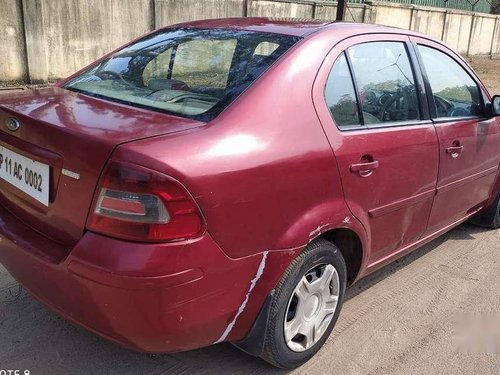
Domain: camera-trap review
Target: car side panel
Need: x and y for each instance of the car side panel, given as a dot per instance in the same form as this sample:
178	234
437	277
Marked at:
393	203
465	182
263	172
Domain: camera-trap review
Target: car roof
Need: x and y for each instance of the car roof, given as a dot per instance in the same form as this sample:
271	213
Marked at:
287	26
291	26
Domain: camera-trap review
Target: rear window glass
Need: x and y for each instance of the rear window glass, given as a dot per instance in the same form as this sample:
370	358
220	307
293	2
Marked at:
193	73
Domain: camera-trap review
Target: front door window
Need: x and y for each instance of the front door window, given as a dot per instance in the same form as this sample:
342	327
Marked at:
455	92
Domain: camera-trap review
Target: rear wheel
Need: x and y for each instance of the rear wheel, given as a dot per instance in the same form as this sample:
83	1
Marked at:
489	218
305	306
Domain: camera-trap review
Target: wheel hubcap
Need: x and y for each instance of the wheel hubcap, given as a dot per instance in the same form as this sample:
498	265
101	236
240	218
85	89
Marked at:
311	307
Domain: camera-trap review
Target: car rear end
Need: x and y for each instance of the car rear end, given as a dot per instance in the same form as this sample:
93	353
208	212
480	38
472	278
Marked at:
114	246
89	236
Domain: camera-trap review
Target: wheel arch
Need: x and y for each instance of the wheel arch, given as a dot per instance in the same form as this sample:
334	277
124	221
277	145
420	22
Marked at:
333	222
351	247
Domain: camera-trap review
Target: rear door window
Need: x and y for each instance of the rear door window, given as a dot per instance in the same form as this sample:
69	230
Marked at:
455	93
386	82
340	95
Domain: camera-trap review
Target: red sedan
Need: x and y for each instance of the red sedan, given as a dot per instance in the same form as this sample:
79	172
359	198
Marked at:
226	180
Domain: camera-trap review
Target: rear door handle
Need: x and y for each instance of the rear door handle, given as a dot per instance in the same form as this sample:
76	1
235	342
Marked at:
454	151
364	169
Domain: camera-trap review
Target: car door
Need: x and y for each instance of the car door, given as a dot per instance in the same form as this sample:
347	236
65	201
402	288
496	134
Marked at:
370	100
469	143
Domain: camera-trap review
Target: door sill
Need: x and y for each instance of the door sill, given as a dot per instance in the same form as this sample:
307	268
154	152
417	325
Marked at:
408	248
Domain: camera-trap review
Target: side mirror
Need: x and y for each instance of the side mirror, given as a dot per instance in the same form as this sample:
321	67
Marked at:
495	104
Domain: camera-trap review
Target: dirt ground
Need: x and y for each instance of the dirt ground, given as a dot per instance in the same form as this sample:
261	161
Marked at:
489	72
407	318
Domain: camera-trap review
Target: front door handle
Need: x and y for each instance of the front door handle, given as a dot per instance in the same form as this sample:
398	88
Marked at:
364	169
454	151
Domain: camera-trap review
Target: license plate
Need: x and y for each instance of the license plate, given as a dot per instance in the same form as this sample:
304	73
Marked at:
29	176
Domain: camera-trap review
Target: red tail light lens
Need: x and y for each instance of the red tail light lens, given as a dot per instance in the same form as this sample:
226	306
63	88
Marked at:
139	204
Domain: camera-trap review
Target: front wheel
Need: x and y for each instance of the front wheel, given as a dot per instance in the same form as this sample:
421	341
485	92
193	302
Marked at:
305	306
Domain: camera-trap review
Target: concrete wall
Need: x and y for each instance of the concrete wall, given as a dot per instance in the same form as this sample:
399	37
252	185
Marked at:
13	63
355	13
280	9
49	39
483	28
168	12
428	21
64	35
456	32
495	43
390	14
467	32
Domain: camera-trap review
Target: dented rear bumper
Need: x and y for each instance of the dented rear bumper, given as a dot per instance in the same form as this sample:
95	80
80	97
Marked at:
155	297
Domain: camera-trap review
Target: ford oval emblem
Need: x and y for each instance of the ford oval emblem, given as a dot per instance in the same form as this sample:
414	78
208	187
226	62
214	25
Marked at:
12	124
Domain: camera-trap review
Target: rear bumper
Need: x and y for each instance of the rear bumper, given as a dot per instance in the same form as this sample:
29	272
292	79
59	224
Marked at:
154	298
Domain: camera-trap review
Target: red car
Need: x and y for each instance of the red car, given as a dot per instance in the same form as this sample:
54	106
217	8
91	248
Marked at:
226	180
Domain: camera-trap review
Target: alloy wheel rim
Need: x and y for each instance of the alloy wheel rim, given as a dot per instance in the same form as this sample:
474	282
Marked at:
311	307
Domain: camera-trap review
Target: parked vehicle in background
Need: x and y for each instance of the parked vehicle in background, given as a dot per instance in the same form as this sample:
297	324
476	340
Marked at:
227	180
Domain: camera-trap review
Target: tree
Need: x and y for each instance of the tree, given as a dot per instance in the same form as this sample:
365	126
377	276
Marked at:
495	6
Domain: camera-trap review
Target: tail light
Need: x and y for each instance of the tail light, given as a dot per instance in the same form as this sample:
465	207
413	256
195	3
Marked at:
139	204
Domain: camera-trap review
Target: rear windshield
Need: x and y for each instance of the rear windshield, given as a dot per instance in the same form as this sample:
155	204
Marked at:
193	73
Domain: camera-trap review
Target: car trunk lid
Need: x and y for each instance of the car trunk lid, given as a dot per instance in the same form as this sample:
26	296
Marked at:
74	135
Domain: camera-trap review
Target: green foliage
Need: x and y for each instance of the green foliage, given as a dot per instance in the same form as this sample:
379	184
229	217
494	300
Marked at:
345	111
390	85
457	93
495	6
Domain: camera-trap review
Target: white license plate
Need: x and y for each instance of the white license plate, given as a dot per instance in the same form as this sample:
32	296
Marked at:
29	176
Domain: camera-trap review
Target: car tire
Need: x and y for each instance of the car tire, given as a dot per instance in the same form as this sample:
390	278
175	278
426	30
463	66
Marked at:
490	218
302	299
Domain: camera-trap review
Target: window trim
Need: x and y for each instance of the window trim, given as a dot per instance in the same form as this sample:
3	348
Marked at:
430	96
419	83
422	93
385	125
354	86
443	120
171	63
